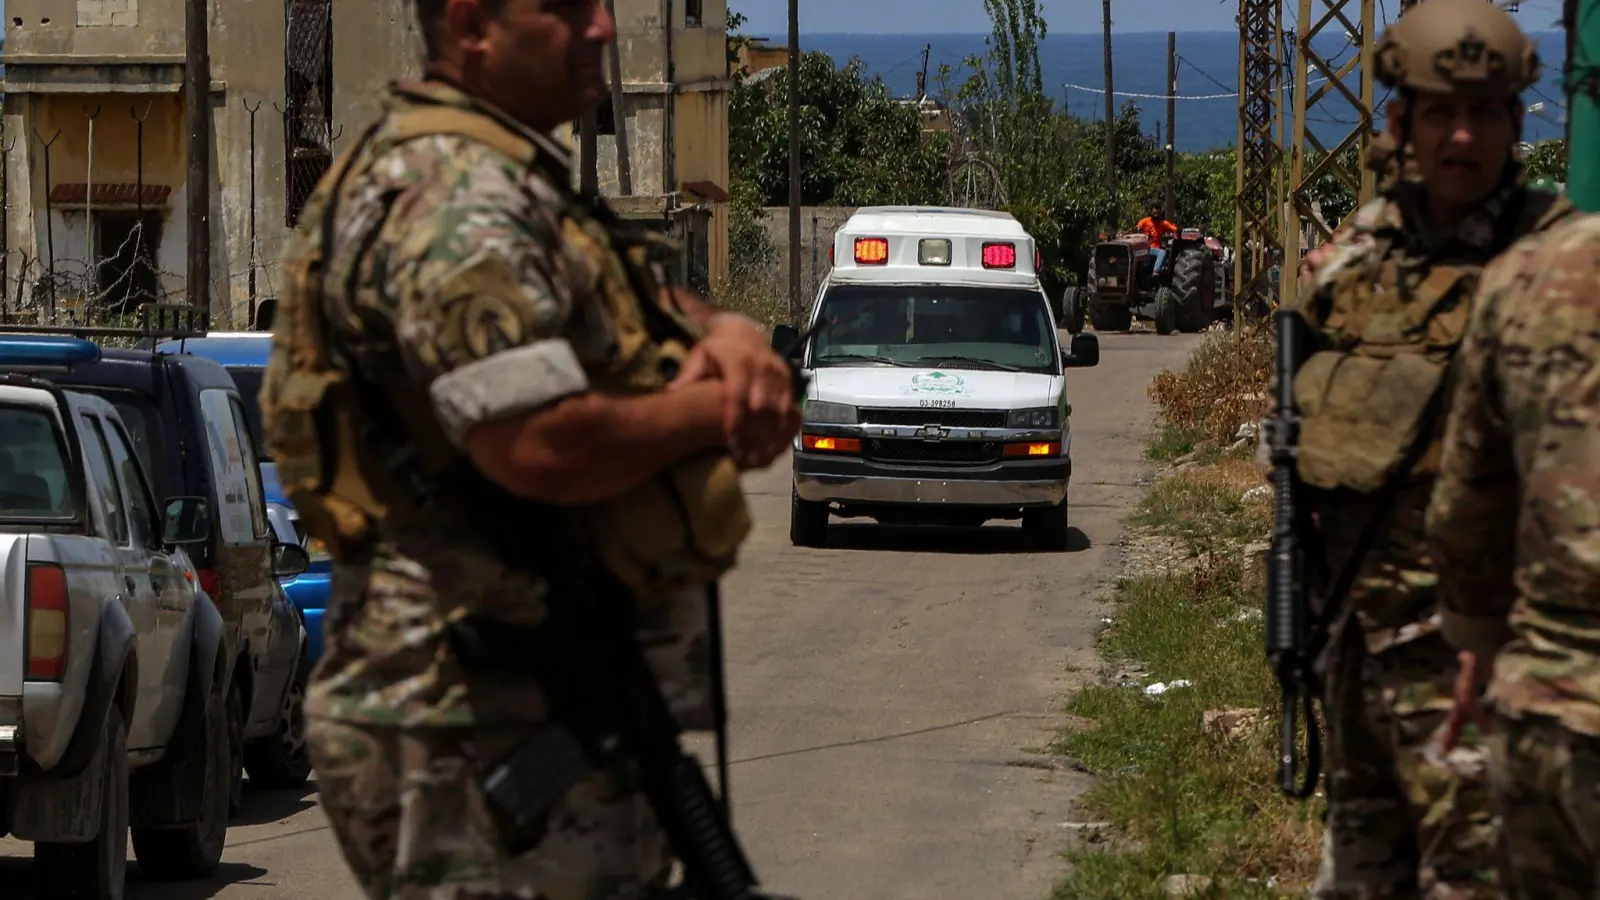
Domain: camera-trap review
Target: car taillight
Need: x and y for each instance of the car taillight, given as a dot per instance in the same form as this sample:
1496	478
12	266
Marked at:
872	251
47	622
999	256
211	583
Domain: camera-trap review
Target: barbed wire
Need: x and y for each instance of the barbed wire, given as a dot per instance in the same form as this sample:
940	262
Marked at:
91	246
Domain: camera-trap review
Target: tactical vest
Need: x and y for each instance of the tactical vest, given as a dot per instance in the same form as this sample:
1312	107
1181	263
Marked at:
1365	403
681	528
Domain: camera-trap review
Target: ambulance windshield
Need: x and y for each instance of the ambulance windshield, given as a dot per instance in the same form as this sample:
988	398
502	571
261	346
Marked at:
1004	329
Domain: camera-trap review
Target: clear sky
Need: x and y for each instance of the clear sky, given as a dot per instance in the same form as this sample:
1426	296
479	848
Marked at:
771	17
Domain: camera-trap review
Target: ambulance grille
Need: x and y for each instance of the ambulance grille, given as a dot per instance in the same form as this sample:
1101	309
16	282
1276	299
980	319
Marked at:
940	453
949	418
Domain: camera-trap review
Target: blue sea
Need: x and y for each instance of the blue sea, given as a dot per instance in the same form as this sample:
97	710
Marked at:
1208	65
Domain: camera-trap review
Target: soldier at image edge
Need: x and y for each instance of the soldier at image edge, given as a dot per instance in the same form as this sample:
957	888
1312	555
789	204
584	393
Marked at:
1386	303
453	302
1513	526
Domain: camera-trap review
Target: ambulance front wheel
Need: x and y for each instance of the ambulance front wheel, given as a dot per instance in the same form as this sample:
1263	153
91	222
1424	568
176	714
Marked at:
808	521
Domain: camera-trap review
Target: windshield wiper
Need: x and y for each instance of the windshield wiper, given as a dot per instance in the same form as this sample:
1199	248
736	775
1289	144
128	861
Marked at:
881	359
988	363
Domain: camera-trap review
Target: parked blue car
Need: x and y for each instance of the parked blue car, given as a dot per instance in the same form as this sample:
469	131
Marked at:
244	355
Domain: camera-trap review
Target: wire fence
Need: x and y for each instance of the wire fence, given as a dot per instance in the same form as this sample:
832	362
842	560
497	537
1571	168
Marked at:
95	217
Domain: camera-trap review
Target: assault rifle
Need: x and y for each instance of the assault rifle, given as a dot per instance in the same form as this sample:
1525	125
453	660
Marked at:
608	708
1292	643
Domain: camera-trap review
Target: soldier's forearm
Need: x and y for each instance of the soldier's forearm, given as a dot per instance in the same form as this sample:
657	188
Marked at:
591	447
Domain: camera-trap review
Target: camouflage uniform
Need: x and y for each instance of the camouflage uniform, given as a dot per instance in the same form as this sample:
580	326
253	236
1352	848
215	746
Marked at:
1386	310
1400	819
1513	526
452	261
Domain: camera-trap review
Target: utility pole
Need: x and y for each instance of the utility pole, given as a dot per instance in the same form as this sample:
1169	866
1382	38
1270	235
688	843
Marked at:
624	164
794	160
1257	224
1172	122
197	102
1111	121
589	152
1351	81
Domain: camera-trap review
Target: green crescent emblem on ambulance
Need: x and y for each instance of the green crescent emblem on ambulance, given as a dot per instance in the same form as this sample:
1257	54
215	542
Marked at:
937	383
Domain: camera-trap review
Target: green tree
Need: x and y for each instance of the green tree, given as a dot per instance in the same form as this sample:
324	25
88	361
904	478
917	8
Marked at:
1548	160
859	146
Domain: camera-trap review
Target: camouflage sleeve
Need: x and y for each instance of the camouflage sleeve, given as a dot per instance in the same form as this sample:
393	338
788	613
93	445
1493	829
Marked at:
483	311
1472	517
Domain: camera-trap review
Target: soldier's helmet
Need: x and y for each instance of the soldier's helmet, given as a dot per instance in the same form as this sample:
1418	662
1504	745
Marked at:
1466	47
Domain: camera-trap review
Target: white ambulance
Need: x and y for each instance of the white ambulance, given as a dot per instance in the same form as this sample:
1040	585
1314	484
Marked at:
937	381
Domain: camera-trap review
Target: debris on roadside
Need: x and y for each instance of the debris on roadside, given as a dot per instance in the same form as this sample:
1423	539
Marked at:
1185	886
1231	722
1160	687
1260	492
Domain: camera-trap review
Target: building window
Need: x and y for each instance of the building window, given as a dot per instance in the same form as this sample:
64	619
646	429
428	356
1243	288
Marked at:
125	246
693	13
308	96
605	117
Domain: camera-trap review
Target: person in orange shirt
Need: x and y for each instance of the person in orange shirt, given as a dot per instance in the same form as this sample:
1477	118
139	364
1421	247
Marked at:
1156	227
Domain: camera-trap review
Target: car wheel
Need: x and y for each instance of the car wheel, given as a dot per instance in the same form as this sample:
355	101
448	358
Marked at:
1047	527
808	521
194	850
280	762
94	870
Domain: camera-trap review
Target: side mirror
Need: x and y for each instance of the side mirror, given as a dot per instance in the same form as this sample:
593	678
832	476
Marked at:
1085	353
783	336
289	560
187	521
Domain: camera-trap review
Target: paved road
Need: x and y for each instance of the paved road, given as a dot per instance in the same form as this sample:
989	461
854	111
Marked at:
885	692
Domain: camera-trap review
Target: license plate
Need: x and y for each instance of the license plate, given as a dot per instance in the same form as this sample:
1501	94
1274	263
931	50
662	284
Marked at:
937	404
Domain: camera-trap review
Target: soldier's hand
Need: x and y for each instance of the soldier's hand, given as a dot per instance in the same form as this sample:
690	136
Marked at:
762	437
756	380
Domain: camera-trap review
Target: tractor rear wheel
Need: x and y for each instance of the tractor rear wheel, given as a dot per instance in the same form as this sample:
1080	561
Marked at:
1189	271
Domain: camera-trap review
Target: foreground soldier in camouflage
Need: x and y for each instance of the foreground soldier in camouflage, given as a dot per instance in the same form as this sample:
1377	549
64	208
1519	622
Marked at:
1386	307
1513	526
453	303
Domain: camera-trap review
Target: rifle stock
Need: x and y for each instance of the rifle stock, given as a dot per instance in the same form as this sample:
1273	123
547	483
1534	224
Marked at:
1289	645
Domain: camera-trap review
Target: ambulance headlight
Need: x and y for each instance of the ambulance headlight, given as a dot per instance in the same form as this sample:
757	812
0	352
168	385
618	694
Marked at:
1032	418
933	252
817	412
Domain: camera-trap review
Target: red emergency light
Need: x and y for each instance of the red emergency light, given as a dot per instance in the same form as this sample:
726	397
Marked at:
871	251
1000	256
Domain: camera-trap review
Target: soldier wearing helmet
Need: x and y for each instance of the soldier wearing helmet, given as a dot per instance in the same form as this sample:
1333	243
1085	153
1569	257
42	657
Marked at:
1387	302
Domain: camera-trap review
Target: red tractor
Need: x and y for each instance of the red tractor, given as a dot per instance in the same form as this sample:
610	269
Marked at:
1122	284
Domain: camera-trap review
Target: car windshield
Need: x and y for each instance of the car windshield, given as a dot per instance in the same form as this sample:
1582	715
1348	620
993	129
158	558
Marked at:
953	327
248	380
33	466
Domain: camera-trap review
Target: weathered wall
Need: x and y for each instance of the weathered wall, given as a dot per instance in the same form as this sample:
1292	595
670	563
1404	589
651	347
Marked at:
818	225
702	151
374	42
137	28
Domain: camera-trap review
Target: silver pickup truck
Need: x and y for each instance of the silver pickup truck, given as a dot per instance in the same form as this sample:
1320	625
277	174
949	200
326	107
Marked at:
111	709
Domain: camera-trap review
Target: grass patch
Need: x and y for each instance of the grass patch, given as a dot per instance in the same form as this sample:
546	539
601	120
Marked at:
1207	508
1182	800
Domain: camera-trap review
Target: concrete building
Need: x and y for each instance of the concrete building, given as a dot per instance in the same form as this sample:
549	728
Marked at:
96	168
675	86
